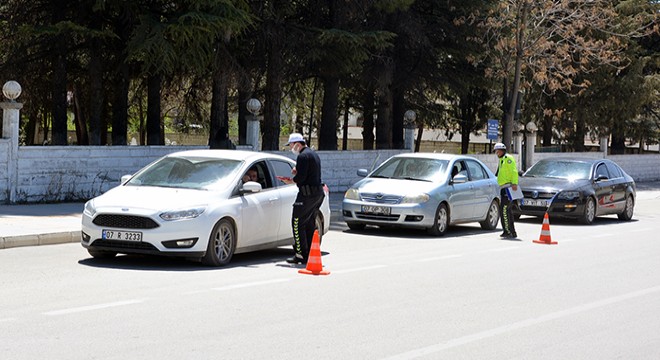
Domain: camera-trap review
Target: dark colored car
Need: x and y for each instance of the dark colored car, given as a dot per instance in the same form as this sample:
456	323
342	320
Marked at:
577	188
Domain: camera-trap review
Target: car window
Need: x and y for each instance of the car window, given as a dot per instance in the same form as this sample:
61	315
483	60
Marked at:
615	171
459	168
564	169
188	172
263	176
476	171
412	168
281	168
601	170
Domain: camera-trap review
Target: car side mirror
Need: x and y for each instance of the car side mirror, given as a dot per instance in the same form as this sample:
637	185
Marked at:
601	178
362	172
250	187
459	179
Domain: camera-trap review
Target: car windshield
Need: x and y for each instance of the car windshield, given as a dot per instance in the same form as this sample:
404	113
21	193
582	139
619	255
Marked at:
412	169
188	173
563	169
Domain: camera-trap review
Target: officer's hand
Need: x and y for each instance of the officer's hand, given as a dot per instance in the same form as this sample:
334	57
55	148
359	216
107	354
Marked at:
514	187
294	171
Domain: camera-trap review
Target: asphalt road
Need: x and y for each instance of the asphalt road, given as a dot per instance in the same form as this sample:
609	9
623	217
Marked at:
391	294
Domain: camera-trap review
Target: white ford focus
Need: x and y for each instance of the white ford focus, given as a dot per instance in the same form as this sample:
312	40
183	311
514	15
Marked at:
197	204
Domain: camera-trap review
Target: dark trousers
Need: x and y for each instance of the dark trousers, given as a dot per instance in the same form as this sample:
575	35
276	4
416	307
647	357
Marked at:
303	222
507	213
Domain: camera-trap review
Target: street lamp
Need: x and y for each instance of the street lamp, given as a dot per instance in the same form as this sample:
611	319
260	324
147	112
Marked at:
11	90
253	106
409	118
531	127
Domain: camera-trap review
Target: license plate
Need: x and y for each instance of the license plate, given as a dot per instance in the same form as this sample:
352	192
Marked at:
121	235
534	202
381	210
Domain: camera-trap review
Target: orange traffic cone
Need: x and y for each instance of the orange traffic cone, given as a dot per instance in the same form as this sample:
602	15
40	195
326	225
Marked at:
314	266
545	232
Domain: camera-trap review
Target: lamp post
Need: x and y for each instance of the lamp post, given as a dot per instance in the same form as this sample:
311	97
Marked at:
252	137
10	118
530	143
409	118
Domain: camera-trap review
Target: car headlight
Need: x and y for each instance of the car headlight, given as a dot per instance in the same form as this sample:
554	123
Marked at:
415	199
89	208
568	195
352	194
182	214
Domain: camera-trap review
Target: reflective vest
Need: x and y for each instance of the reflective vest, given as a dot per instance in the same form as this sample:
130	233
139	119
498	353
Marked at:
507	171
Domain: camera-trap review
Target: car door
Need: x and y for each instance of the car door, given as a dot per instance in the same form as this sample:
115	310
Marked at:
482	189
287	193
619	185
460	195
261	211
604	190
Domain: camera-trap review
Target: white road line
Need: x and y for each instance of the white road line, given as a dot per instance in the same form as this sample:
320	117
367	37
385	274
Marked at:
520	325
500	249
440	258
358	269
7	320
93	307
251	284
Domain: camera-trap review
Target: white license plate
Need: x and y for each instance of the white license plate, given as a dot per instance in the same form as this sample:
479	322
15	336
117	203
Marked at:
121	235
534	202
381	210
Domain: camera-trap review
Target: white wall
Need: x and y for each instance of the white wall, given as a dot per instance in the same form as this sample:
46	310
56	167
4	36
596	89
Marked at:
4	164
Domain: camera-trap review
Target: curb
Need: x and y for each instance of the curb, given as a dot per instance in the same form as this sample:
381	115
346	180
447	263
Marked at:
39	239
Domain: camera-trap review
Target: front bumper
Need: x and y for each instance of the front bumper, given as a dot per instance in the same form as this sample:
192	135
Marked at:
558	208
405	215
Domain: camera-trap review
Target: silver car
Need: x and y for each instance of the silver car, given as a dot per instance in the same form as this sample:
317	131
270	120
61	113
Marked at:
425	191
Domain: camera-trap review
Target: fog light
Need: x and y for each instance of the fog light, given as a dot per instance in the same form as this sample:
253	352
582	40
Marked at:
85	237
184	243
347	213
180	243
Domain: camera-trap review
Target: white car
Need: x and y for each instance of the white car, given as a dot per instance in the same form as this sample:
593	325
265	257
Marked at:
195	204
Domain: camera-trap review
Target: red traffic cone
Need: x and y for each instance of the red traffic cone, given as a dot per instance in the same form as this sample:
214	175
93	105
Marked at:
314	265
545	232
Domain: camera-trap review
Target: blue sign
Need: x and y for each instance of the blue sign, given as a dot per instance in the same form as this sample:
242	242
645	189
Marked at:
493	128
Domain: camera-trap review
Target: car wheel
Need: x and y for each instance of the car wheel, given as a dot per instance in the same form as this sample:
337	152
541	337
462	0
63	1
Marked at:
101	254
441	222
355	226
627	213
319	226
492	217
589	212
222	244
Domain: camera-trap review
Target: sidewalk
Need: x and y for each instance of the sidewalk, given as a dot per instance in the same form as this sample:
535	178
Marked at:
45	224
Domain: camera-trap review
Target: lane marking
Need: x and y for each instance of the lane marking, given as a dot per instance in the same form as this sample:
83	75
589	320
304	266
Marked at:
440	258
250	284
345	271
8	320
428	350
500	249
92	307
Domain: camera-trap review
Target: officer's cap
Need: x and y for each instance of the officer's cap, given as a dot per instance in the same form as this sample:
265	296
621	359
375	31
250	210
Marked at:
499	146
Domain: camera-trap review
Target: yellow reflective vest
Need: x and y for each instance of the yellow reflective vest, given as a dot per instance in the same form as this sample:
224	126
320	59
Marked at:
507	171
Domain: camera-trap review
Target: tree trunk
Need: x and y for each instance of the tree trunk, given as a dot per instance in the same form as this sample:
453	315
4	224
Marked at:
153	110
368	119
80	122
95	93
219	129
274	78
344	140
59	93
120	107
578	139
398	109
243	96
328	128
384	120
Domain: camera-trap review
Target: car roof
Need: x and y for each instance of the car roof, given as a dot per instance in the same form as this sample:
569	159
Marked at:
437	156
573	159
239	155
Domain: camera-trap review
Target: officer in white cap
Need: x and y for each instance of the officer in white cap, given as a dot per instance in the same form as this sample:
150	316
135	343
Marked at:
307	176
507	175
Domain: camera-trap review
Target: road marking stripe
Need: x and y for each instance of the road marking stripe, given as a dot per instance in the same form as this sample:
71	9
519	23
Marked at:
500	249
358	269
245	285
440	258
92	307
425	351
7	320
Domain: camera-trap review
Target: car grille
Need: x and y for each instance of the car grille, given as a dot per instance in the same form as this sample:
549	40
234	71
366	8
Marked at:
118	244
125	221
541	195
380	198
381	217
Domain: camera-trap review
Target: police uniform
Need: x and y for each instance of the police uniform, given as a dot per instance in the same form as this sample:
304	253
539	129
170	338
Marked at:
507	175
308	201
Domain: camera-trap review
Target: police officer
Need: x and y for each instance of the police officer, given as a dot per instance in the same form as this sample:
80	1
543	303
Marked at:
307	176
507	175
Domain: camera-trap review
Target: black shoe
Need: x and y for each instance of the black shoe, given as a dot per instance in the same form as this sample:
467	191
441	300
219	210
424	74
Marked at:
504	234
511	236
296	260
